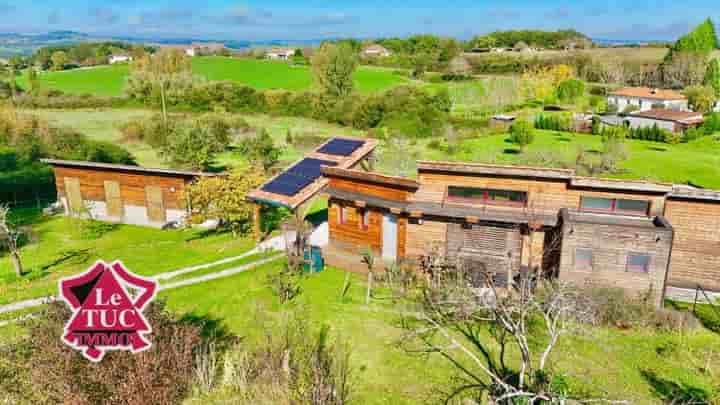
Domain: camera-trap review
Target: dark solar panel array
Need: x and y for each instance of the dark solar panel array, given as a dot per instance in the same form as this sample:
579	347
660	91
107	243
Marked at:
341	147
297	177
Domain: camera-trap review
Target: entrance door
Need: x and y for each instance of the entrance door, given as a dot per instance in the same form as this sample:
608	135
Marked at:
155	205
113	200
73	195
389	231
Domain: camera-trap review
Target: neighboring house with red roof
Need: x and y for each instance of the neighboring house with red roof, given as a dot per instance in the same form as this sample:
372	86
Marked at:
645	98
671	120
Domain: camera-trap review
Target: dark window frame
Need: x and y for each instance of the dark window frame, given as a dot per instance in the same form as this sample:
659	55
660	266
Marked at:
486	200
637	269
614	206
364	219
585	267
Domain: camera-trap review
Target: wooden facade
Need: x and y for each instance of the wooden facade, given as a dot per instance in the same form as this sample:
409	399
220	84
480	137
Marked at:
122	193
681	235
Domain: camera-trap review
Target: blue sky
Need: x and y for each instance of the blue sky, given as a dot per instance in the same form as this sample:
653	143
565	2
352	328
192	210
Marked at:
313	19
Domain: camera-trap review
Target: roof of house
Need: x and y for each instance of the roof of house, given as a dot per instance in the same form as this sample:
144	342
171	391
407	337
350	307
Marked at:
370	177
646	92
375	48
577	216
494	170
281	50
663	114
621	185
260	195
692	193
125	168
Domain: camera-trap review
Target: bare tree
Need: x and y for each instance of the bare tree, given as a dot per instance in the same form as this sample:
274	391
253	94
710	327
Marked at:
10	236
297	231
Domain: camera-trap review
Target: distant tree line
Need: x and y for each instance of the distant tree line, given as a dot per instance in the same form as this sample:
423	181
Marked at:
83	54
535	38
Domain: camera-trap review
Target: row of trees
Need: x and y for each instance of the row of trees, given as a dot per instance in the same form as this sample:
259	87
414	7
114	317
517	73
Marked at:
535	38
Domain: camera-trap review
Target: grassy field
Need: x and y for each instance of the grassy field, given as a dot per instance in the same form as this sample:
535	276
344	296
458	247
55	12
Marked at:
695	163
642	366
63	246
261	74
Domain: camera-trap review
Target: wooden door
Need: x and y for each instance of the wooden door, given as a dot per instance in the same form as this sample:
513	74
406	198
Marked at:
113	200
155	205
73	195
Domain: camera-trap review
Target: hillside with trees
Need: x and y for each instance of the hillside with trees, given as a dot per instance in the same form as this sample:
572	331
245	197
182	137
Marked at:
534	38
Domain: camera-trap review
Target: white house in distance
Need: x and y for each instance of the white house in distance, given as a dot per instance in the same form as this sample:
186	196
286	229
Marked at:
280	53
672	120
376	50
645	98
120	58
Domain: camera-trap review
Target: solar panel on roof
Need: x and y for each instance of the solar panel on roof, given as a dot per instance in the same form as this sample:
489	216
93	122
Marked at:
297	177
341	147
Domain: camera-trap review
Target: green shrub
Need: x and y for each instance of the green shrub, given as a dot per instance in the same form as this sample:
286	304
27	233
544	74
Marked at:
570	90
553	122
522	134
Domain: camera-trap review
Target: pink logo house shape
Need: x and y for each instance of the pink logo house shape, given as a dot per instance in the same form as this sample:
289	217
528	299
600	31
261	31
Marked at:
105	315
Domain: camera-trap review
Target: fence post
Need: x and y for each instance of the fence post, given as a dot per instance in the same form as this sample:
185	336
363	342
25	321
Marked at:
697	290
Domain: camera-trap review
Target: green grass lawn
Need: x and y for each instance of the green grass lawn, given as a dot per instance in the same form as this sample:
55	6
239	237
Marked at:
640	366
65	246
261	74
696	162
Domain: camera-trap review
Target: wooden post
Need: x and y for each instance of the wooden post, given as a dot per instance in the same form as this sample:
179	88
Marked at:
257	216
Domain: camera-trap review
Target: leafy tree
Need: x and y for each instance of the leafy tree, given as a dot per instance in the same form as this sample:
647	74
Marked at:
701	98
333	67
224	198
32	79
712	76
522	134
459	68
260	150
10	236
161	67
194	144
702	39
59	60
570	89
614	149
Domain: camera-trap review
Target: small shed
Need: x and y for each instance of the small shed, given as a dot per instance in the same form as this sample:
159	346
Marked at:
502	120
123	193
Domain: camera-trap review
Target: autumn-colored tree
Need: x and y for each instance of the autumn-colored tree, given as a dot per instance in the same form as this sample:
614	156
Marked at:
161	67
59	59
541	83
701	98
459	67
223	198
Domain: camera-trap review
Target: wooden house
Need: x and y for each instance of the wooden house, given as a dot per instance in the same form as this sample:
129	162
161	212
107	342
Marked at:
121	193
639	235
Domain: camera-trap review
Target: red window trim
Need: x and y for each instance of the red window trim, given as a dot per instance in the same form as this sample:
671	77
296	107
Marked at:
614	208
364	223
486	200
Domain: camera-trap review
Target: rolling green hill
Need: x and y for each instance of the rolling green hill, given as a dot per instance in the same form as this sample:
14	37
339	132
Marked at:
261	74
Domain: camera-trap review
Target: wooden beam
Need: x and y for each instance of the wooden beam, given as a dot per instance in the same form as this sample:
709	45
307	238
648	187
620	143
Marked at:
360	204
416	214
472	220
257	217
396	211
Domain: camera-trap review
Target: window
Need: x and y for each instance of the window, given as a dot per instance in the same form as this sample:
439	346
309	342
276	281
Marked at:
617	205
343	214
364	219
470	195
638	263
583	259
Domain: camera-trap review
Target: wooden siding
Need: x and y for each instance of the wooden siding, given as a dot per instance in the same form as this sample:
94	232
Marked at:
495	247
696	251
424	238
610	245
155	205
350	232
74	194
375	190
543	196
132	185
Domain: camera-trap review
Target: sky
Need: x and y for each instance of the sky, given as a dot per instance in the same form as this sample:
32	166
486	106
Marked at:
317	19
